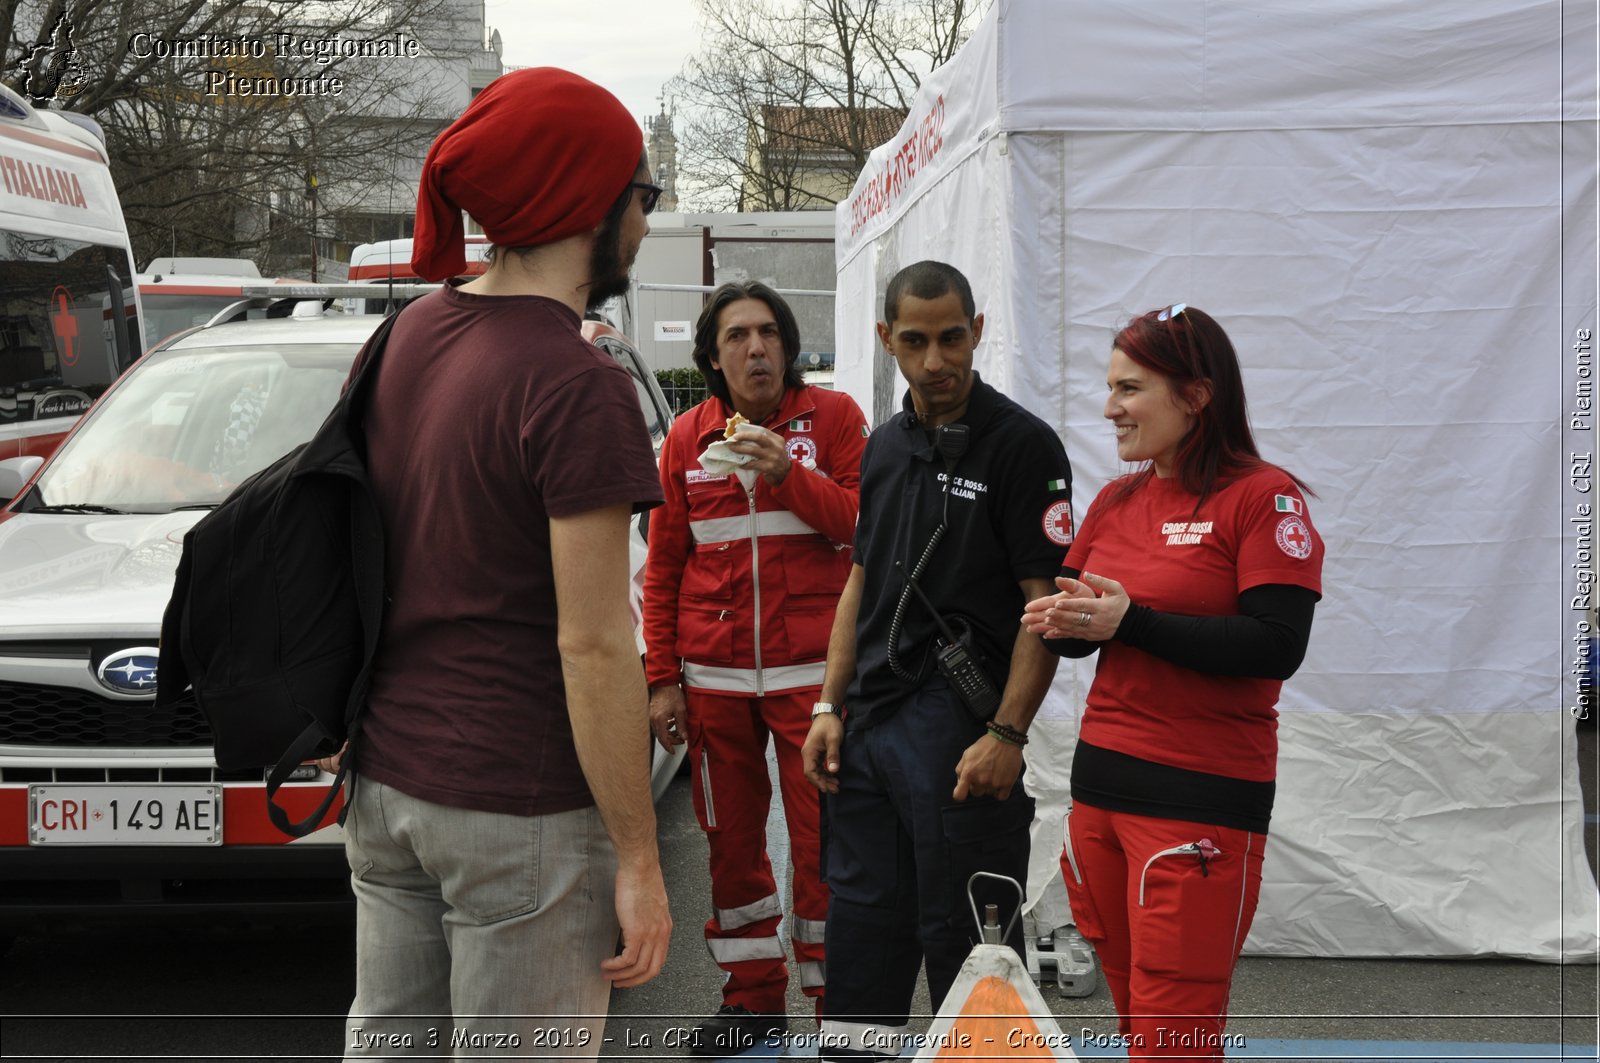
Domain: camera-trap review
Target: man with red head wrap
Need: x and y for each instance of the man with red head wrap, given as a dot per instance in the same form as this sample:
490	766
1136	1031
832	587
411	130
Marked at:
500	834
539	156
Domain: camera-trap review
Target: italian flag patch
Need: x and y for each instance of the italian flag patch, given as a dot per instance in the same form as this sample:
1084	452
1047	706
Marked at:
1056	485
1288	504
864	433
799	426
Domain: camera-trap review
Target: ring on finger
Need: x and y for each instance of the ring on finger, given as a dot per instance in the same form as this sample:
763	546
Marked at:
1083	619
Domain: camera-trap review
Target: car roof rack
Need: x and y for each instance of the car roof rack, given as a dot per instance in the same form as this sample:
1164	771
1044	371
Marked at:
279	300
338	291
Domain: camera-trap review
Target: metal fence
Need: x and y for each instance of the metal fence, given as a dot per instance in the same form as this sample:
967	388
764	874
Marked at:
681	397
659	319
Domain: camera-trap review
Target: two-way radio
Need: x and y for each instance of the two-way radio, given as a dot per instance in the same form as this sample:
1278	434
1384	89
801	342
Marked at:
956	662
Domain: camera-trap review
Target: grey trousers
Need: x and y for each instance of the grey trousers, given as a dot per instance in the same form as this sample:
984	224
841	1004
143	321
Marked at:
477	933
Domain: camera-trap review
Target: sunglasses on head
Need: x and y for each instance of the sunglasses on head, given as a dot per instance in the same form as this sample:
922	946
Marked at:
1170	312
652	193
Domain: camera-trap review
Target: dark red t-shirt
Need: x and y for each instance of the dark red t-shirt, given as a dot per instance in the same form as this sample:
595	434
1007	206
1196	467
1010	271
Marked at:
491	415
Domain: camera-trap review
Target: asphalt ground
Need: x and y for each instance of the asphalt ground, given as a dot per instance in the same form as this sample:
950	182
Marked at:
1281	1008
279	991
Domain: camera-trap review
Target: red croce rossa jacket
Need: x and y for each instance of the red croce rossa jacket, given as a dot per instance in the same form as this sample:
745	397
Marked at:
740	587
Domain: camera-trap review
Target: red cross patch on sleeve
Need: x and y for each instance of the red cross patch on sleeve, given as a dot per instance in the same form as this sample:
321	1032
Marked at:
1294	538
1058	523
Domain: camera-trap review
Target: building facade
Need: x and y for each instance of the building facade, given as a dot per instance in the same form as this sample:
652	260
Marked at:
806	158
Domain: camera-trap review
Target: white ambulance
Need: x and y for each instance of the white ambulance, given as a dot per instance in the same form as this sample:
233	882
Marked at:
178	294
69	313
389	261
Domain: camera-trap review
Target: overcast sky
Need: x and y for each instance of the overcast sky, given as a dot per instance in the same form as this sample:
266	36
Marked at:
632	47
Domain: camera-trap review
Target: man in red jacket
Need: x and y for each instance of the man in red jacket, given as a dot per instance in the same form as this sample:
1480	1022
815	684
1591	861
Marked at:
745	570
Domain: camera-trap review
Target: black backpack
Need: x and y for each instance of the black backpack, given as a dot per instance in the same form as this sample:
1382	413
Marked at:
275	613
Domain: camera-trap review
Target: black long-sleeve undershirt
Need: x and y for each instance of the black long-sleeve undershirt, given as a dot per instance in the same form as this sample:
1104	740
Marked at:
1266	640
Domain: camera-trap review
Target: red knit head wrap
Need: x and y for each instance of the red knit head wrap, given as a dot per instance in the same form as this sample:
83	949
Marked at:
539	155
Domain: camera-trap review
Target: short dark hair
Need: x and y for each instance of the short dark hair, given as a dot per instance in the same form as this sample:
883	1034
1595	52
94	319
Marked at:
927	280
705	334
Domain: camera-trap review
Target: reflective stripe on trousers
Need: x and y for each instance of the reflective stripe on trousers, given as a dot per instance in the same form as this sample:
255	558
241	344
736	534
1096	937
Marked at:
813	974
737	950
767	907
752	681
811	931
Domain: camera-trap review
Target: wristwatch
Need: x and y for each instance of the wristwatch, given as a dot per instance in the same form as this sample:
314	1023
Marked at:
824	708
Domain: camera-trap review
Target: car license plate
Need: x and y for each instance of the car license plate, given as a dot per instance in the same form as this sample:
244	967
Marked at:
116	814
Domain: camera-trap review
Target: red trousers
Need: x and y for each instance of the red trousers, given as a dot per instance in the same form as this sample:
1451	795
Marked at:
732	796
1167	905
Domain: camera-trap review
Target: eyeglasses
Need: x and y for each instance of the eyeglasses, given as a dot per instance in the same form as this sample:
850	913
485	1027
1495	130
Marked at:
1170	312
652	193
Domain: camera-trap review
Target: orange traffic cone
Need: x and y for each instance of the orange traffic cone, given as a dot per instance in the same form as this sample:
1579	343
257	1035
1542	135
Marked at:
993	1010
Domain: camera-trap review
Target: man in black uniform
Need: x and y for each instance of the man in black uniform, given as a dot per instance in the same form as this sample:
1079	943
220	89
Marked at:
968	496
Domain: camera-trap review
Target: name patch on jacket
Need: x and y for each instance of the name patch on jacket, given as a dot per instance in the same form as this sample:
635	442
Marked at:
700	476
961	487
1185	533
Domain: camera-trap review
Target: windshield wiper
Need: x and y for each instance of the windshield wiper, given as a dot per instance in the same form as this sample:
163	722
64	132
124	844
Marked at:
197	505
75	507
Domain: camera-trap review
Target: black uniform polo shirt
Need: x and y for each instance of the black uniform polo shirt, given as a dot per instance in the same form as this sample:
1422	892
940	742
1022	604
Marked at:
1009	518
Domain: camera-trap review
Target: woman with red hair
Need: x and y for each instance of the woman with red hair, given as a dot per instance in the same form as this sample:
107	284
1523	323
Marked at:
1194	578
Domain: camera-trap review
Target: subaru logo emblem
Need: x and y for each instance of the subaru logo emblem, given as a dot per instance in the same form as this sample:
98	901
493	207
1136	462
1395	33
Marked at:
130	671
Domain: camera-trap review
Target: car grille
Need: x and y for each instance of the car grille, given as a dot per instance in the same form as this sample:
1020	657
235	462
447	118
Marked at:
65	718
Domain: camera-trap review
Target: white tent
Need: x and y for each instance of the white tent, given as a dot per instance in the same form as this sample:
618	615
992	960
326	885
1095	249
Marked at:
1391	208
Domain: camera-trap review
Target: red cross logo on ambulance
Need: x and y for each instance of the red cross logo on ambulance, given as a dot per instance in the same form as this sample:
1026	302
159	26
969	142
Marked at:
66	327
802	450
1294	538
1058	523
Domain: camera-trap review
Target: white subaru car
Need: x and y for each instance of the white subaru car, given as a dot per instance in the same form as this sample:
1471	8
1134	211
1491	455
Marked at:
108	806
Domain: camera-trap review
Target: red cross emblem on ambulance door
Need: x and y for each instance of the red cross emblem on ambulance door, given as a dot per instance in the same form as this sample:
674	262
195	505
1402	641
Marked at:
66	326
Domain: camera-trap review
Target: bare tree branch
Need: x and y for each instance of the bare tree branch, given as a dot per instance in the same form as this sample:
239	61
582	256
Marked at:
204	168
785	99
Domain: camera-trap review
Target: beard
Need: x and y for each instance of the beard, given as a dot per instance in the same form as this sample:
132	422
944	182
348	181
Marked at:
608	274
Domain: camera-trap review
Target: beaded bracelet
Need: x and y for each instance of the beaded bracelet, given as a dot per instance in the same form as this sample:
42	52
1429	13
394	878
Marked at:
1007	734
